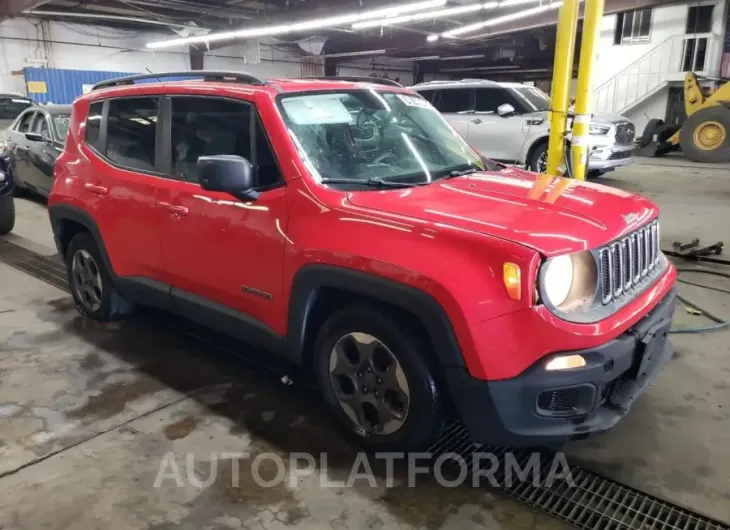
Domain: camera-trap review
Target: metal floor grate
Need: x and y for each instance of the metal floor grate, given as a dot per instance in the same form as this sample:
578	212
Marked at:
591	502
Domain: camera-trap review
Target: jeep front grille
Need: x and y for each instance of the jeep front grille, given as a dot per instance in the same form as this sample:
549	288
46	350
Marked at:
629	261
625	133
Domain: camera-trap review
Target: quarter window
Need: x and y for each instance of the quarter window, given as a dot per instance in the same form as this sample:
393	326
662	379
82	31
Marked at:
131	132
93	126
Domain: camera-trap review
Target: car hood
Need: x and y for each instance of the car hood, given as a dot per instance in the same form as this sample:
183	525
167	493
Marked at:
551	216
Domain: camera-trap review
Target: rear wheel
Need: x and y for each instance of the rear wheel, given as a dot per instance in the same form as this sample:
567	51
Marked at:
373	372
705	136
90	281
7	214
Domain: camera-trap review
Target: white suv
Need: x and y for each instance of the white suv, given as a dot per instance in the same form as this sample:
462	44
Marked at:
508	122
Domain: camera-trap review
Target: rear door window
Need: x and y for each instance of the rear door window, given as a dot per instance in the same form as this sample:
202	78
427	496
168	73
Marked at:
453	100
132	132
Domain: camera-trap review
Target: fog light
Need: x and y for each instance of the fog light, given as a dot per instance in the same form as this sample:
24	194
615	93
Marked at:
565	362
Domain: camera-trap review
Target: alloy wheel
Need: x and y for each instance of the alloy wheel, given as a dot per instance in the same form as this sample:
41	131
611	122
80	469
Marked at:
542	163
87	280
369	383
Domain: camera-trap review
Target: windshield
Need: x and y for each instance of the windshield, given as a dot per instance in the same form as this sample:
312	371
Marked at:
60	123
535	99
372	135
11	107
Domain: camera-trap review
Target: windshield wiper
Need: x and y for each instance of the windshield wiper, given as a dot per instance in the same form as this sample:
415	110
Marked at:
372	182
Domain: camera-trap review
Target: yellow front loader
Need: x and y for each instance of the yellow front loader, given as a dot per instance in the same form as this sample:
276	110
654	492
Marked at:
704	136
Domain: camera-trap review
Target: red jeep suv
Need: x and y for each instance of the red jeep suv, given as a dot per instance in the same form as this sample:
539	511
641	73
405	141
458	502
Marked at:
344	225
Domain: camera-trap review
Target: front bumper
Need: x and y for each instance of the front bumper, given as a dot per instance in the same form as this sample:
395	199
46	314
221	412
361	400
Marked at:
609	157
547	408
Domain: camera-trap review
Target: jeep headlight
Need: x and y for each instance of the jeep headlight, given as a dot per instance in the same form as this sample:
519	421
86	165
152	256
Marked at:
569	282
599	129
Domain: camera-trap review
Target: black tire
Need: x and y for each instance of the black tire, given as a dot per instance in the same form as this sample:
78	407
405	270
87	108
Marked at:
7	215
425	415
715	153
595	173
112	306
534	156
653	127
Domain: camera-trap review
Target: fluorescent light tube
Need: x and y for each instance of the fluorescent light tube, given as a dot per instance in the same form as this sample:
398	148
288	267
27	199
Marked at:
405	19
316	23
498	20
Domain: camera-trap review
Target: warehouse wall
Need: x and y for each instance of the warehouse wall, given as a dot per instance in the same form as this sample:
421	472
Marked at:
28	42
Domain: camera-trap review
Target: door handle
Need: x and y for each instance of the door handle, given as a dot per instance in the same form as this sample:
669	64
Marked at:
176	209
93	188
476	121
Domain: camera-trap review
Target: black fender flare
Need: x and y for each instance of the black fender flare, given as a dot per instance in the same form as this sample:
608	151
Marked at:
62	212
311	278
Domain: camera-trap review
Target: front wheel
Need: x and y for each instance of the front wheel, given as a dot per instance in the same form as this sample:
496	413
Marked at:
705	136
538	159
7	214
374	375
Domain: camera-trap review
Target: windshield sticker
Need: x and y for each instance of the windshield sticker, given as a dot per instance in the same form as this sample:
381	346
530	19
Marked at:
415	101
316	110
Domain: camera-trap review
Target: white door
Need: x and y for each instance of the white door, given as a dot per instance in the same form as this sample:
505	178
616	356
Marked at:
455	105
497	137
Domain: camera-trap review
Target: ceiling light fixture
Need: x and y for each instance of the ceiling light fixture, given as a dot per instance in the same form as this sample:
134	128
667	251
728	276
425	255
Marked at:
315	23
405	19
495	21
355	54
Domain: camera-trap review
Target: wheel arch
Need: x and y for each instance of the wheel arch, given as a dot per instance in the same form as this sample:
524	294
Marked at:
334	287
67	221
537	142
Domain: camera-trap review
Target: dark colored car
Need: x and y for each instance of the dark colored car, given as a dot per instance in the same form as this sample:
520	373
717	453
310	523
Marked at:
11	105
34	142
7	206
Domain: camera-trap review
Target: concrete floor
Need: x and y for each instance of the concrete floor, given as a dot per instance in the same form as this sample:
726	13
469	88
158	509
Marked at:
90	414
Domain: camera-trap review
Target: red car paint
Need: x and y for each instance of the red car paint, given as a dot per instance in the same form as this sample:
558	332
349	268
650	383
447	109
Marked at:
449	239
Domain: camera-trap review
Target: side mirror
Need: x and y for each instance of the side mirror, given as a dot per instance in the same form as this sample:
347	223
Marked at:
230	174
36	137
505	109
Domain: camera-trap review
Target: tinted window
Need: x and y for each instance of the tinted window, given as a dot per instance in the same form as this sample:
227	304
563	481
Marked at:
207	126
24	122
93	126
454	100
699	19
428	94
131	128
11	107
488	99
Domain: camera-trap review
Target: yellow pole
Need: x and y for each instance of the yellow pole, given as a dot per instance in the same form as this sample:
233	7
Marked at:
560	89
584	92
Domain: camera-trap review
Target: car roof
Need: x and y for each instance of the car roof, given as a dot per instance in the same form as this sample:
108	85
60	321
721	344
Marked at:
14	96
465	83
272	86
57	109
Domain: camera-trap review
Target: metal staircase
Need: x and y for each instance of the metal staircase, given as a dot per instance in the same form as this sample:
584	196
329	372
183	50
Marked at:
665	63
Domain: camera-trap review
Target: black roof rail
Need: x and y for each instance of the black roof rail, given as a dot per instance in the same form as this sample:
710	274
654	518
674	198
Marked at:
356	79
207	75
